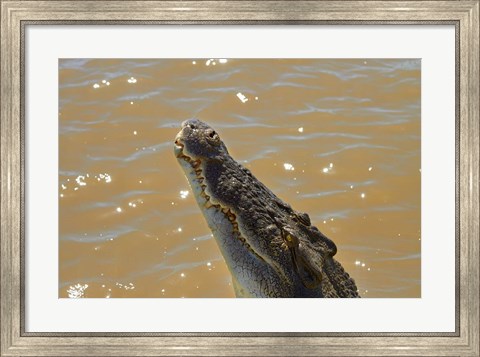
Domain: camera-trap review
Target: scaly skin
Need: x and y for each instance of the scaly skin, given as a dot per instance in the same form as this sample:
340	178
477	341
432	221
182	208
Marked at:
270	249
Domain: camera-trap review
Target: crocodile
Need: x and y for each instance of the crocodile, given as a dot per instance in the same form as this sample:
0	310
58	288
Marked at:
270	249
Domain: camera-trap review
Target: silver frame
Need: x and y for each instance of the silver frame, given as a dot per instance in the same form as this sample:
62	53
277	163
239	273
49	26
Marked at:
16	15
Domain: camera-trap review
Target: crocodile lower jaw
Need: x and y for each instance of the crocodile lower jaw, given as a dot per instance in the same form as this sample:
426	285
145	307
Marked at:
196	173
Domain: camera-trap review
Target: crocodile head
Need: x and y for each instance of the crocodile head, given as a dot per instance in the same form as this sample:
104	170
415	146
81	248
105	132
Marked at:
270	249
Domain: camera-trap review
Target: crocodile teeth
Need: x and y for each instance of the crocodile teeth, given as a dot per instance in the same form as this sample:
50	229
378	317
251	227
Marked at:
208	204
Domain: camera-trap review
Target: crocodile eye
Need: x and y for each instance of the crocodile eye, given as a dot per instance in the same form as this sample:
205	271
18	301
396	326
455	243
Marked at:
192	126
291	241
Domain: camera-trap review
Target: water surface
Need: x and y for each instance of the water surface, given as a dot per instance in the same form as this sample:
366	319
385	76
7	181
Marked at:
339	139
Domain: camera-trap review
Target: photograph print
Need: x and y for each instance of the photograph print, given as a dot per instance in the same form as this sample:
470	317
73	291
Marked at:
223	178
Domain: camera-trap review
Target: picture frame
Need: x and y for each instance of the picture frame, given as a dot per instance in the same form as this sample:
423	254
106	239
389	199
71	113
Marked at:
17	15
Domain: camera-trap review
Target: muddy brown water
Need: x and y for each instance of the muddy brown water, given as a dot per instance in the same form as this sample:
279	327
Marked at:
338	139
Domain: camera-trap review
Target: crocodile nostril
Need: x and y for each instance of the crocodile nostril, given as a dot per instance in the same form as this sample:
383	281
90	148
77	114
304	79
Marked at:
191	126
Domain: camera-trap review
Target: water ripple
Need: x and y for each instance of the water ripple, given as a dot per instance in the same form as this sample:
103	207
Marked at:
139	153
320	135
343	75
98	237
314	109
284	84
142	96
345	147
322	194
